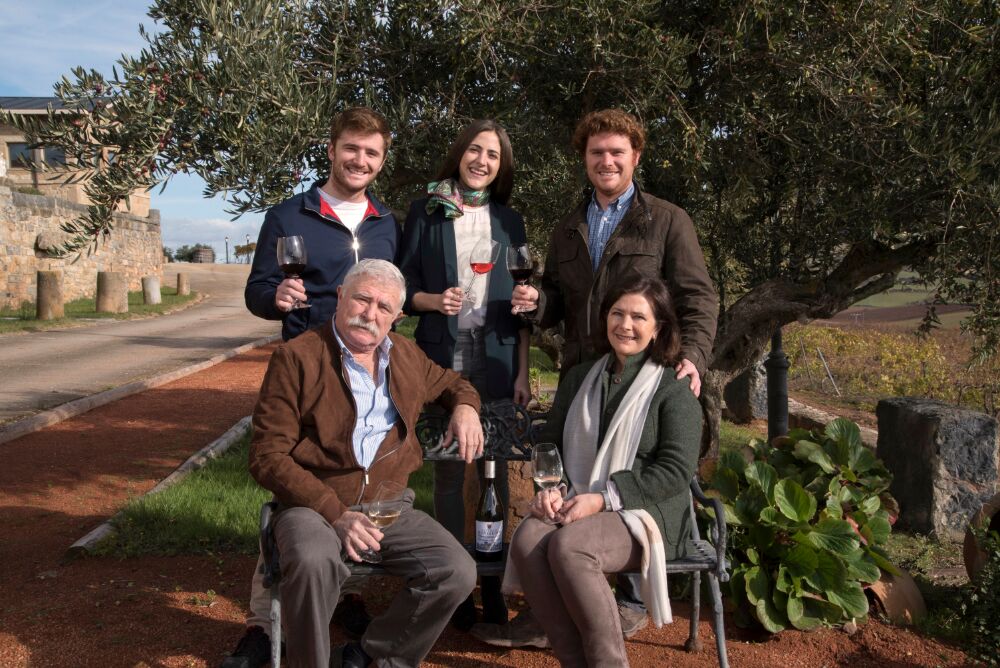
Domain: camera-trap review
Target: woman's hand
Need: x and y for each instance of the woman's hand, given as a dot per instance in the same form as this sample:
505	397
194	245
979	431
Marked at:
522	388
547	504
580	506
450	301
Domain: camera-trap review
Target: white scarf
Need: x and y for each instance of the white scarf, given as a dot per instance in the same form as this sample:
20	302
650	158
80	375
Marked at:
588	472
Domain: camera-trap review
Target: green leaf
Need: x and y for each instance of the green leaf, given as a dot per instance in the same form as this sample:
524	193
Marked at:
844	432
830	572
749	504
879	529
870	505
863	460
801	560
732	461
793	501
727	482
784	582
834	535
812	452
862	567
764	476
770	617
773	517
752	556
758	585
802	618
851	597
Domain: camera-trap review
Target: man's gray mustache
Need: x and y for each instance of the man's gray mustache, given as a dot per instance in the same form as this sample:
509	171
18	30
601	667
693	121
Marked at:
358	321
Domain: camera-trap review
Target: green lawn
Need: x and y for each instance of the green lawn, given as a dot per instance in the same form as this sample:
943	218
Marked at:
78	310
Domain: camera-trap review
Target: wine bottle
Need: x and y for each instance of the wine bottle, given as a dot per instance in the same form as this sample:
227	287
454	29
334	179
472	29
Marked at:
489	518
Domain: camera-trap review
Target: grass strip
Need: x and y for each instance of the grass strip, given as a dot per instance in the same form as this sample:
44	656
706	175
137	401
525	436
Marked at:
23	319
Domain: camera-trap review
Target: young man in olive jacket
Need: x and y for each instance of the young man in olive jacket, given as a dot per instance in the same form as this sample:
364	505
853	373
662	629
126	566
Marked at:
336	416
616	230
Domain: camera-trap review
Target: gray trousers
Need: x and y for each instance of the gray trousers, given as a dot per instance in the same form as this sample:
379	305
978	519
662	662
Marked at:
562	571
438	574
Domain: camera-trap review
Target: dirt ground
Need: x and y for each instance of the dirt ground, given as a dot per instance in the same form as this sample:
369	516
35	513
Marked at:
59	483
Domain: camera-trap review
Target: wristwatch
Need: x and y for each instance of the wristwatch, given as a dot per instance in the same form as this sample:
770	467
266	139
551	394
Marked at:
607	501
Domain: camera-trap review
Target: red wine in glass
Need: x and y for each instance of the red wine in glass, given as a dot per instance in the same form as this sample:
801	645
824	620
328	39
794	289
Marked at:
292	260
481	260
521	265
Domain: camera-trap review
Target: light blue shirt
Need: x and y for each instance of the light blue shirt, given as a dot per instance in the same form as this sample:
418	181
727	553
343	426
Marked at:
602	223
376	413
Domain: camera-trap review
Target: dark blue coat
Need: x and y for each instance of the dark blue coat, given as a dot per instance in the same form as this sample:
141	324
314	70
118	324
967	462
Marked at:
428	260
329	255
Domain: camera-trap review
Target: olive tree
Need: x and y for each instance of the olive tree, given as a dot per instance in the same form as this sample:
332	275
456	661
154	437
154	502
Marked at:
820	147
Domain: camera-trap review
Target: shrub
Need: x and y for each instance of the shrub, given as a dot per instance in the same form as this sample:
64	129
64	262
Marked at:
981	608
808	515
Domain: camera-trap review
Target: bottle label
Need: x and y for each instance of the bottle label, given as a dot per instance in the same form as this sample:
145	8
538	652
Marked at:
489	536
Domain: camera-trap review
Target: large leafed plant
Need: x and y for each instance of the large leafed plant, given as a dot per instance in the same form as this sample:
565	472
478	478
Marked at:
808	513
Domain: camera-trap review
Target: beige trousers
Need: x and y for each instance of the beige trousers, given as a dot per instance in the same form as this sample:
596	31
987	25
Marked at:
562	571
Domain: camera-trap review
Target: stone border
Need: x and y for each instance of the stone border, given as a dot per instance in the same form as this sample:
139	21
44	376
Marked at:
72	408
211	451
807	417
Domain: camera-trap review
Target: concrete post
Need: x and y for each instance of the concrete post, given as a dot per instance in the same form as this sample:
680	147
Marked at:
49	298
112	292
183	285
151	290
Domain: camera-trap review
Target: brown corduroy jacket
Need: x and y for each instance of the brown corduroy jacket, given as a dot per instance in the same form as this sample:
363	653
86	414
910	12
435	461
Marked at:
655	238
304	419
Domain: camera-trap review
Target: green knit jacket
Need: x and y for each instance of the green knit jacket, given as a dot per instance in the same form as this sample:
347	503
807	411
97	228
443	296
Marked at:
668	446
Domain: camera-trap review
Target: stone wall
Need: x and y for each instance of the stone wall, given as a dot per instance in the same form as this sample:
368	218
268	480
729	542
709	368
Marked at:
30	223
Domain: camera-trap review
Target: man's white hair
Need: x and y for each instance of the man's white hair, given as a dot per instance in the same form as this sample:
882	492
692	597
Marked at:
378	270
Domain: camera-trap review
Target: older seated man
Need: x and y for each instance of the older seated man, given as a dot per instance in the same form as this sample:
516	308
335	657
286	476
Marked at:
335	417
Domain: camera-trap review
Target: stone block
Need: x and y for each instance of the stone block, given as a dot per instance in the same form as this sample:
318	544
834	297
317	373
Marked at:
746	395
944	461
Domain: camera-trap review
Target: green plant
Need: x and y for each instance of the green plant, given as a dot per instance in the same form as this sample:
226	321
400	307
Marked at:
808	513
982	605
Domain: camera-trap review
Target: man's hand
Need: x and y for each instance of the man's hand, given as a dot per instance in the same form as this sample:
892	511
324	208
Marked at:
580	506
357	533
525	298
686	368
465	427
288	291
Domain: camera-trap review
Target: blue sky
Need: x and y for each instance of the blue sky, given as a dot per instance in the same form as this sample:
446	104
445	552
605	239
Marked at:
44	39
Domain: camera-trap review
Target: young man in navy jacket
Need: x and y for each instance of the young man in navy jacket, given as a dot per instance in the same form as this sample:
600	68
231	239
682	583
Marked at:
340	221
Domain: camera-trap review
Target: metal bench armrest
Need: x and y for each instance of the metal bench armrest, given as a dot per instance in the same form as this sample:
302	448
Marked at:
717	530
268	548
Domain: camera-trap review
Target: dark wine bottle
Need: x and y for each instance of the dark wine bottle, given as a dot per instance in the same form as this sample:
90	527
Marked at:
489	518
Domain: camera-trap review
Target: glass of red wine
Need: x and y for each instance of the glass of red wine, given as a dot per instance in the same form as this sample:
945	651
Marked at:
292	260
482	258
520	265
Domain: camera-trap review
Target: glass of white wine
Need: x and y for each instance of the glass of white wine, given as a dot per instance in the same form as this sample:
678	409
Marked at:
547	468
383	510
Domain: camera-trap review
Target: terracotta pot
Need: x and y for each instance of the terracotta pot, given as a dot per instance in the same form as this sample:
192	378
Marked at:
974	556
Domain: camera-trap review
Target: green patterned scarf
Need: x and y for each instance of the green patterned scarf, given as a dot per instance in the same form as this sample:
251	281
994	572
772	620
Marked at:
453	197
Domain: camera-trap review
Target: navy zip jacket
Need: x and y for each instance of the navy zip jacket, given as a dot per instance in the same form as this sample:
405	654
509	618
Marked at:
328	251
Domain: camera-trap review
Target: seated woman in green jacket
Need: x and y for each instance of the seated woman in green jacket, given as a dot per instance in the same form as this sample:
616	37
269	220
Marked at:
629	434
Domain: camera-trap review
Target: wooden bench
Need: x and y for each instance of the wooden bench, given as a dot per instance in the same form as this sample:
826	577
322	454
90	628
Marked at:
510	433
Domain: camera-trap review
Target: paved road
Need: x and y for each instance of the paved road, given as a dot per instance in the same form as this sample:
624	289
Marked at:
42	370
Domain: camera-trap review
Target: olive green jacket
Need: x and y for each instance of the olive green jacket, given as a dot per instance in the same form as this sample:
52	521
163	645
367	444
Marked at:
667	456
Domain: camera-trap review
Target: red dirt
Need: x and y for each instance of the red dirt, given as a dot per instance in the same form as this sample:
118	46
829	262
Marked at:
58	483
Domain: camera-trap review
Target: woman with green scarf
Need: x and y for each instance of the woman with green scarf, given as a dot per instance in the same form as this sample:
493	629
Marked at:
475	334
